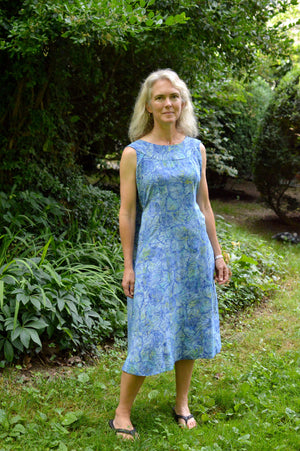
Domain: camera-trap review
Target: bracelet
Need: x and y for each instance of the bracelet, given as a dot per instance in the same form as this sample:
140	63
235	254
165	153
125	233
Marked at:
218	256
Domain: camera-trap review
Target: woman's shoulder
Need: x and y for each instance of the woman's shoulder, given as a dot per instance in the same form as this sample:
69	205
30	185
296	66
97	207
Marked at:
128	156
138	146
129	150
194	141
195	145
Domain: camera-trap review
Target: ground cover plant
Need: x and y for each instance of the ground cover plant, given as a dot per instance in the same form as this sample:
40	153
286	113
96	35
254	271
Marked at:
60	277
247	398
61	271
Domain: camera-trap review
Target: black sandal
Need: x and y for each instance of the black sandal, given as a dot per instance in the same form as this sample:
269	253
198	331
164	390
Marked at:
131	432
182	417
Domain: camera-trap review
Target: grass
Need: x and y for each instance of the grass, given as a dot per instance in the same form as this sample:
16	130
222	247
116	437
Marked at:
247	398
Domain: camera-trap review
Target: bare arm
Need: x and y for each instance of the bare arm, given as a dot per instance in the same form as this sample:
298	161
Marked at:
127	216
222	273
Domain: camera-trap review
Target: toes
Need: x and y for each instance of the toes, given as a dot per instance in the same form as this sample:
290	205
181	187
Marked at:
181	423
191	423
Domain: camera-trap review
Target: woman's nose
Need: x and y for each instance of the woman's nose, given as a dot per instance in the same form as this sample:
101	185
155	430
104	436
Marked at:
168	101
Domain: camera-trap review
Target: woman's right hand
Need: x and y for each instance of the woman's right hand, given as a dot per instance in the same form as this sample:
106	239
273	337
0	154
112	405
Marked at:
128	282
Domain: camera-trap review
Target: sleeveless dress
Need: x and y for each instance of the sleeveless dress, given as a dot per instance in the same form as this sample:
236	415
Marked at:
174	312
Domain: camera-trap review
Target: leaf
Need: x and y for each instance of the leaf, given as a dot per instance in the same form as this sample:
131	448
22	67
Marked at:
35	302
2	415
153	394
60	304
16	419
22	297
245	439
204	418
245	259
4	420
45	249
83	378
72	307
17	430
25	337
16	333
69	418
37	324
17	306
8	351
170	20
23	262
1	293
133	20
35	336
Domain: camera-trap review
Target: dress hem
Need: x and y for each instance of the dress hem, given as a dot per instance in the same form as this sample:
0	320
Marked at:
167	368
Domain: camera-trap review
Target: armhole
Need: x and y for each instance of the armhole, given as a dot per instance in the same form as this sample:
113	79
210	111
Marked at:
199	154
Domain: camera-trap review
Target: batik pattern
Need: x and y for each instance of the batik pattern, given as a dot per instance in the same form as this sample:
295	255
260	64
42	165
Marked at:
174	312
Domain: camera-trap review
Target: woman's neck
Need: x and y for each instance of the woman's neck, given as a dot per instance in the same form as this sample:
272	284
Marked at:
164	137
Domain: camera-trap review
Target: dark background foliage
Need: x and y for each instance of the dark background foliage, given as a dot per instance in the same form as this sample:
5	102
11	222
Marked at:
71	76
277	160
70	72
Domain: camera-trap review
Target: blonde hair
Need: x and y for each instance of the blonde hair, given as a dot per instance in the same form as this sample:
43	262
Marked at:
142	122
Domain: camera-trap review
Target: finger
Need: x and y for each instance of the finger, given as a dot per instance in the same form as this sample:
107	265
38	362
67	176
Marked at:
126	289
131	289
220	276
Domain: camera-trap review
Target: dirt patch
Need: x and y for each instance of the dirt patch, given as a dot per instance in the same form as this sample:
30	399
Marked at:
250	211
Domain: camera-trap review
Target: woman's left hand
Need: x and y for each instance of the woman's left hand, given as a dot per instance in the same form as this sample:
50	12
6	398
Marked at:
222	271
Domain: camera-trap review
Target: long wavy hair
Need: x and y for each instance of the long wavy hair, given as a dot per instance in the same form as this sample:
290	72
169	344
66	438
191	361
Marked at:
142	121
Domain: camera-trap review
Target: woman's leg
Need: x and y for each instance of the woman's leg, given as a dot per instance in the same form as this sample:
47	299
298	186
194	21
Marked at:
183	371
130	385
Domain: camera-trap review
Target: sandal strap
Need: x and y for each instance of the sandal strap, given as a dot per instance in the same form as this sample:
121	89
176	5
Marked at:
185	418
122	431
182	417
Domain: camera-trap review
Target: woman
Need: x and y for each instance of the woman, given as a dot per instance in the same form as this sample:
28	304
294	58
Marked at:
170	247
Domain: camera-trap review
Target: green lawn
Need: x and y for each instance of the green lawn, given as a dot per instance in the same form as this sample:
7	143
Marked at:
247	398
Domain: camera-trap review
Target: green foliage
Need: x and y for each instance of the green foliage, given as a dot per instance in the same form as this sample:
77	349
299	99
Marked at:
73	301
277	159
245	398
57	102
229	112
86	210
243	120
66	96
215	103
60	277
256	270
34	26
60	273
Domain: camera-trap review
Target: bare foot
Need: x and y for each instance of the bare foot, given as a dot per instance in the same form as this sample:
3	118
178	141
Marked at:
189	421
124	424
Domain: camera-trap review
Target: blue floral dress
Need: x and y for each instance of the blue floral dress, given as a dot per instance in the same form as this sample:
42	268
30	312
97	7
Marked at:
174	312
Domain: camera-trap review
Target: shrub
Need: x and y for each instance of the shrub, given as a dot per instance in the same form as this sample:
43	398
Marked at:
81	206
74	301
60	284
59	281
256	270
244	119
277	158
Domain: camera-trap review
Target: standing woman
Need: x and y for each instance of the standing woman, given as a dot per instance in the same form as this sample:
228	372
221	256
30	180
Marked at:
171	251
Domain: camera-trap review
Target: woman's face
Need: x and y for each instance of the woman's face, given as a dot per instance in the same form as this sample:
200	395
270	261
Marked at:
166	103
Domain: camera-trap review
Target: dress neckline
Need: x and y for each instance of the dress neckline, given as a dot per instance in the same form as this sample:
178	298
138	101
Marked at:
164	145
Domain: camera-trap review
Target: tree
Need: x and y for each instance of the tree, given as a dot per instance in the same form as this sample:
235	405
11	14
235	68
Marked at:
72	70
277	159
59	59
